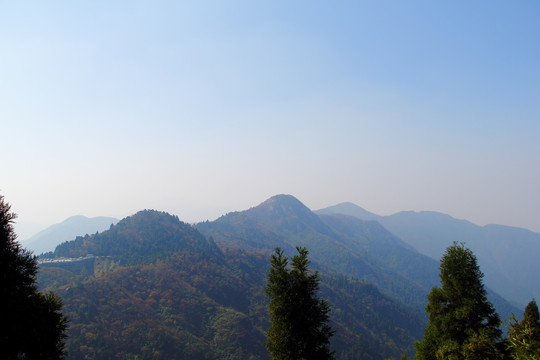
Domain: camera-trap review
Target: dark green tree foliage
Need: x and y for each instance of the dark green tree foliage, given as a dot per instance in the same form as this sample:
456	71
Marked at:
32	325
524	336
298	317
531	315
462	322
192	306
187	306
141	238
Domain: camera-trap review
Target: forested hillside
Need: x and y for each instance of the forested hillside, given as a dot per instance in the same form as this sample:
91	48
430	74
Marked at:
507	255
158	288
155	287
344	244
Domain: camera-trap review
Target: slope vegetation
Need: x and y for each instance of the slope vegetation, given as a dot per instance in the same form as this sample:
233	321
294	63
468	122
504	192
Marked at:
343	244
508	256
161	289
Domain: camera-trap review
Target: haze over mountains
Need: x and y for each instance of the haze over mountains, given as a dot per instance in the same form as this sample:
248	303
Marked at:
508	256
156	285
342	243
47	239
197	287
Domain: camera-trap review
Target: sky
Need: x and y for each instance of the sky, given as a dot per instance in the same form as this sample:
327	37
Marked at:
200	108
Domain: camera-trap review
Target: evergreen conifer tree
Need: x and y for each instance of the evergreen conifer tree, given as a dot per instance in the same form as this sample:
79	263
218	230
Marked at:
524	336
32	325
299	327
531	314
462	322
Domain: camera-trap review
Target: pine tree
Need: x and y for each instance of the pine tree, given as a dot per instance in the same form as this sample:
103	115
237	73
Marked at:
531	314
32	325
524	336
462	322
298	317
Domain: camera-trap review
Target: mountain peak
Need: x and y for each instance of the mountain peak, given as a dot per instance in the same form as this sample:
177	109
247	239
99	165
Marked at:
286	211
348	208
283	201
75	218
147	234
280	206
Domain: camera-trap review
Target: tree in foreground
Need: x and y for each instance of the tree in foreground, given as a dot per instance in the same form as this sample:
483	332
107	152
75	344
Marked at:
524	336
299	327
32	324
462	322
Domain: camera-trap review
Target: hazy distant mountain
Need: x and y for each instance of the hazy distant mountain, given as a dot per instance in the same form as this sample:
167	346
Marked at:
158	288
508	256
156	285
345	244
46	240
348	208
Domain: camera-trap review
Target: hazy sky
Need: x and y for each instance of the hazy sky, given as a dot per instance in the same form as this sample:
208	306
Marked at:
200	108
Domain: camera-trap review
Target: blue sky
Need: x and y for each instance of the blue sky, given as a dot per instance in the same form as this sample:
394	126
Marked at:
201	108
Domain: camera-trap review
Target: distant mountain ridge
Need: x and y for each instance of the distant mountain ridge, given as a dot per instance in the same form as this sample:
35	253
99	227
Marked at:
47	239
160	288
156	286
341	243
348	208
508	256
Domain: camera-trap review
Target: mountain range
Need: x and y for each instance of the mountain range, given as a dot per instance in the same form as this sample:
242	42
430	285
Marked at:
152	284
345	244
159	288
508	256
